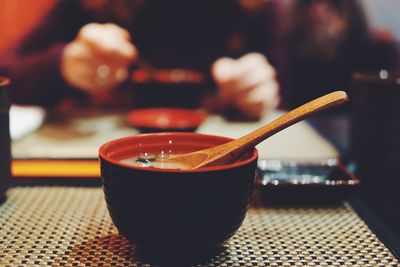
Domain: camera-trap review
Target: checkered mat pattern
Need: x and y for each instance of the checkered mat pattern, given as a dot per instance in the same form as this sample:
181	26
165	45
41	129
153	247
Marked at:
70	226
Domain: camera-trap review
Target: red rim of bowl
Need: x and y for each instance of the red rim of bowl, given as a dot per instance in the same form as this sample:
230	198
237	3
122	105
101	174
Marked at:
102	154
176	118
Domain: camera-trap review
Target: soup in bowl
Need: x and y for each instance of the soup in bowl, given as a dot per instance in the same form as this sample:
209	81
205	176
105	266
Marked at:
164	208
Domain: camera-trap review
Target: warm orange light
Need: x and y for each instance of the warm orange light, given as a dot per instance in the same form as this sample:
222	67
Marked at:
19	16
55	168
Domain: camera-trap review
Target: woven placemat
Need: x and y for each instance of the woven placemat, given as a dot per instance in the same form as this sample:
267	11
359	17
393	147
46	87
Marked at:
70	226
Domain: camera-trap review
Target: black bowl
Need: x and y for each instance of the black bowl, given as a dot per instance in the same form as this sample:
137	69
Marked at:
175	210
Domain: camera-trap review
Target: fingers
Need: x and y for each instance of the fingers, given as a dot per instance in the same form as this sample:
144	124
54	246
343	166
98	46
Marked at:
98	59
247	71
101	78
248	83
224	70
108	41
84	71
252	70
259	99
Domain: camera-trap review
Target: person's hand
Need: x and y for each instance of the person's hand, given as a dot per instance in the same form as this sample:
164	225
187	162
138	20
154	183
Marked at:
97	60
247	84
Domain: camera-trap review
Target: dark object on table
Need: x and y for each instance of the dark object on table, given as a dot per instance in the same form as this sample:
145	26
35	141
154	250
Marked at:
170	87
167	211
5	152
177	76
166	119
285	181
375	127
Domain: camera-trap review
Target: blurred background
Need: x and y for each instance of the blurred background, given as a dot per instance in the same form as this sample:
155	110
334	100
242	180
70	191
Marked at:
315	46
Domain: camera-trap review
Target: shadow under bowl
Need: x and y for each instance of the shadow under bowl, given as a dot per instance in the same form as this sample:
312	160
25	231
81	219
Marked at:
174	210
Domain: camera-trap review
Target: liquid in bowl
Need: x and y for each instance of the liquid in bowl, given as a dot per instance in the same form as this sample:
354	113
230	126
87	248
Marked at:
153	161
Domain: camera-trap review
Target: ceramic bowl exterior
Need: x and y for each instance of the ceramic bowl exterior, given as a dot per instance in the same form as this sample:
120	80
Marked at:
163	209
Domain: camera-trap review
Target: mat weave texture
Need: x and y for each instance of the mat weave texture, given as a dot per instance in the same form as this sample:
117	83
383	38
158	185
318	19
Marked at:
70	226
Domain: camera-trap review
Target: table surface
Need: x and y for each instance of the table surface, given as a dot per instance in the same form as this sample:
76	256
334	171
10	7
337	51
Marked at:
70	226
81	133
76	138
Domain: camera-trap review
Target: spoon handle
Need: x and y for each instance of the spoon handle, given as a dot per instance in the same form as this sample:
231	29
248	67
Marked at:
243	144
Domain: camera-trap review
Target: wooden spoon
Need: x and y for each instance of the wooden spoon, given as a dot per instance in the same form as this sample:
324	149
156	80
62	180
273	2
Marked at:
232	150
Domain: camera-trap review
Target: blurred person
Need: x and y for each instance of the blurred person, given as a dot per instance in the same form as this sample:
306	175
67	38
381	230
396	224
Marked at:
85	50
329	40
